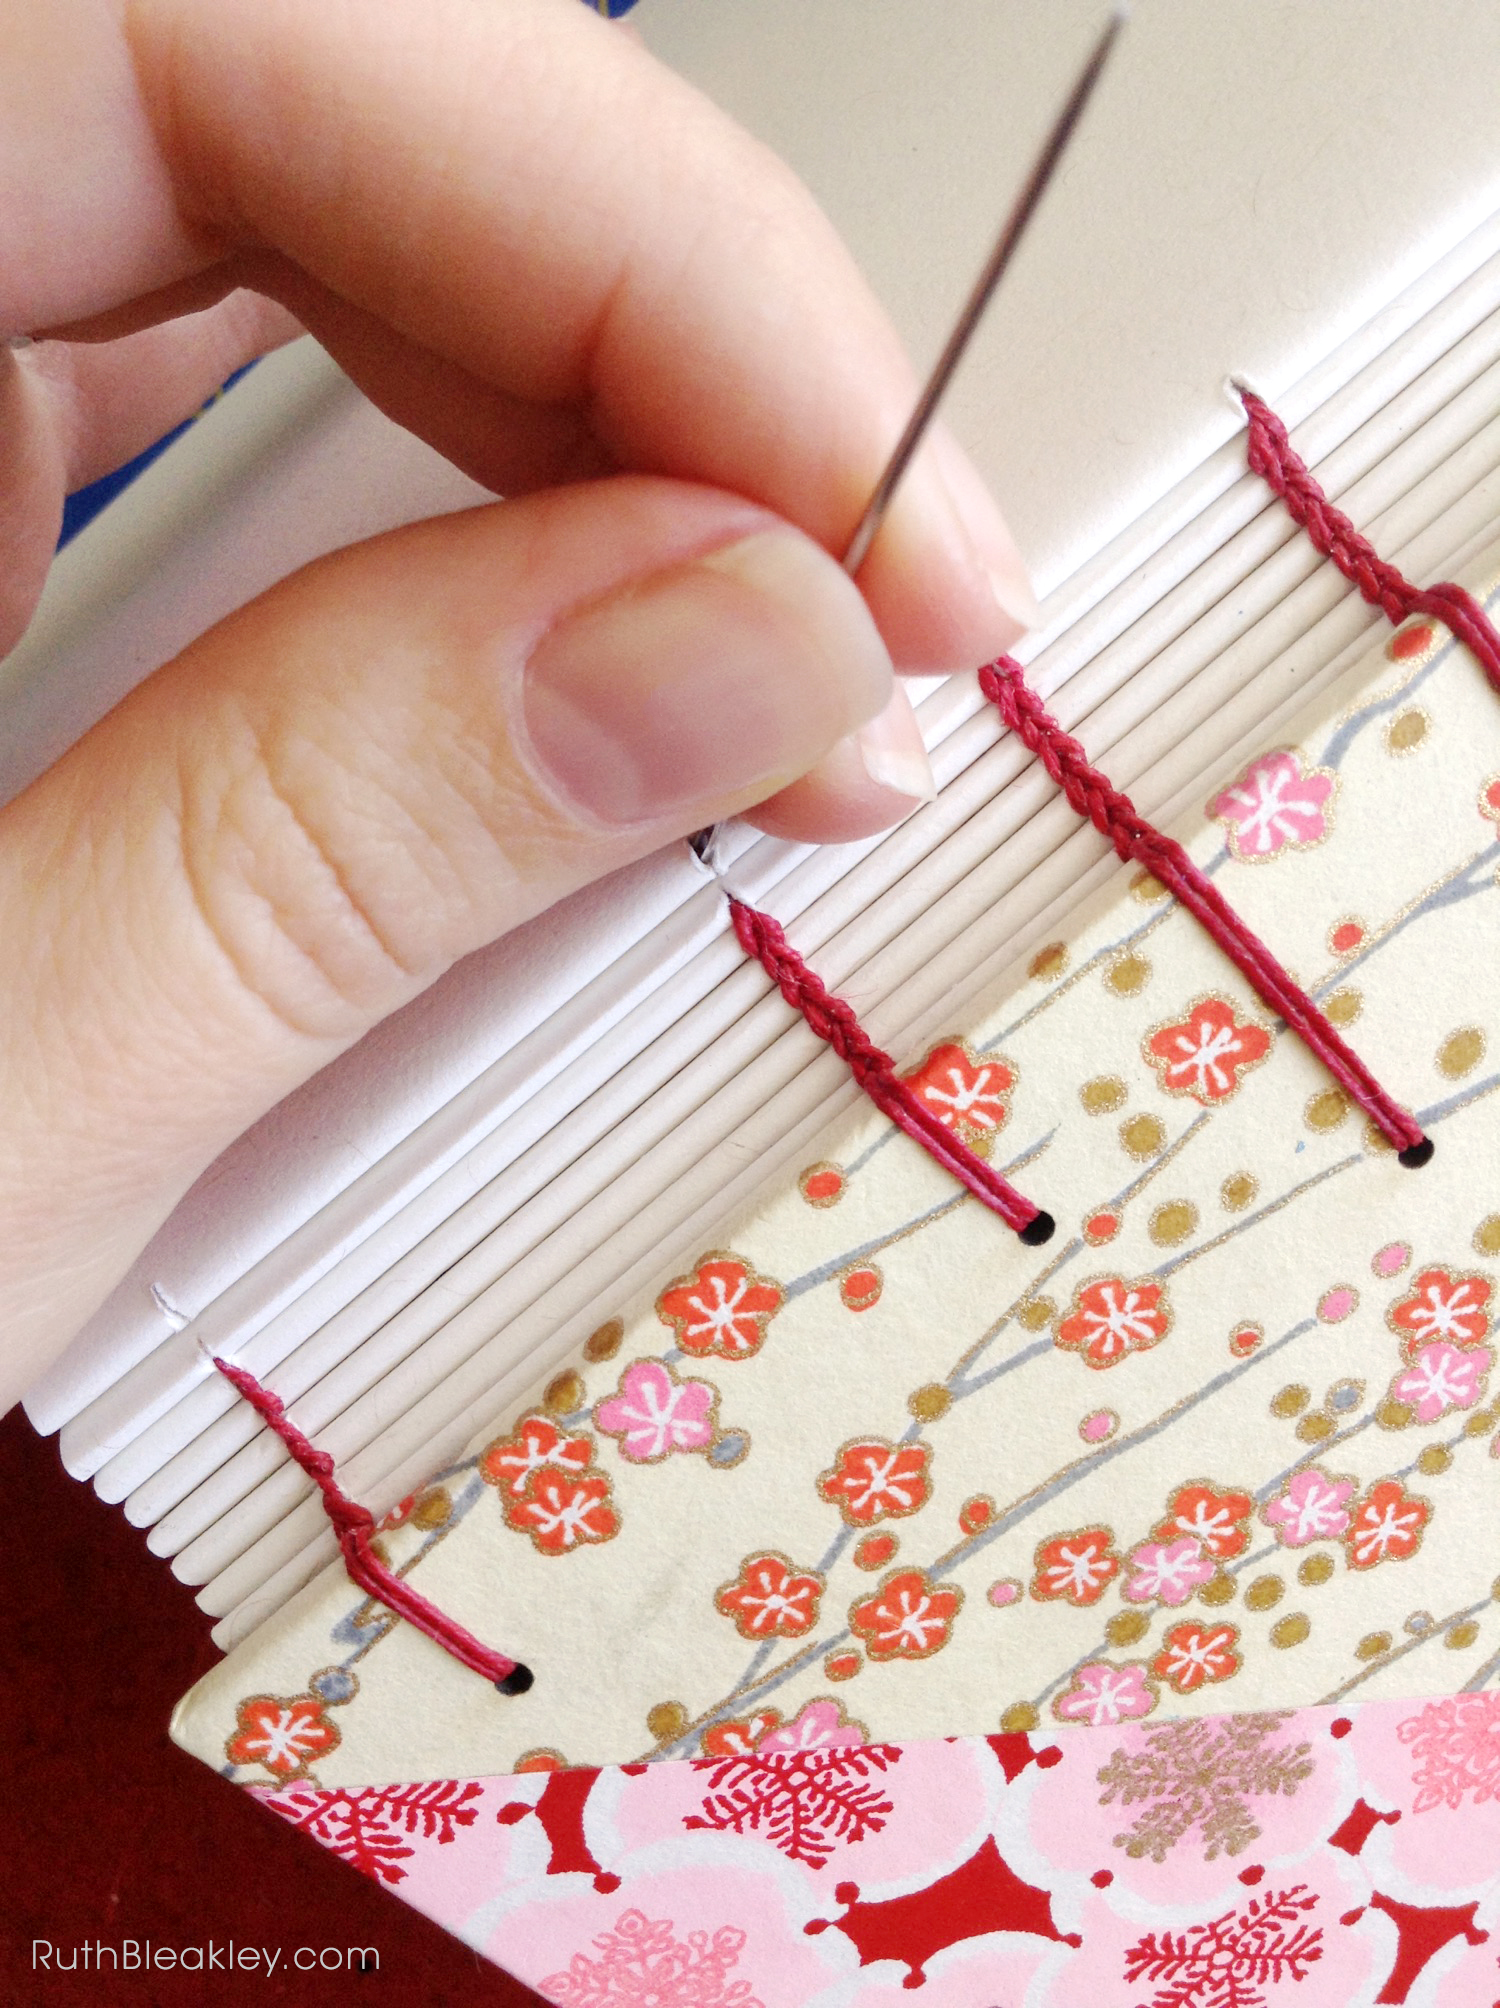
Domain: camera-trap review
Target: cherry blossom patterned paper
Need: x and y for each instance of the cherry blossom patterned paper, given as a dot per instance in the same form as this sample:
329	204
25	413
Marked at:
1317	1857
1230	1442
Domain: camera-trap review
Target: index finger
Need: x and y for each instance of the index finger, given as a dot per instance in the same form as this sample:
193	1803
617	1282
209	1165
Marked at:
518	190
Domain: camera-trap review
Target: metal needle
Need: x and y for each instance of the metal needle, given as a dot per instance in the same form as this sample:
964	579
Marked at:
984	287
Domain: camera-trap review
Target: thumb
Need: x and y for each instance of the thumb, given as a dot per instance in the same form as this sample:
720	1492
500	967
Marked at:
383	763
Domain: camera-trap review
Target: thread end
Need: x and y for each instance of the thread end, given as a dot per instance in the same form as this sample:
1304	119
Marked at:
1416	1154
1037	1230
520	1680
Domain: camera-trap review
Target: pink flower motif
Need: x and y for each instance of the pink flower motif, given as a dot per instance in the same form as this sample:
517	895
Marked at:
643	1960
1276	805
1441	1377
1456	1744
1312	1507
822	1725
1166	1571
1102	1694
1204	1054
653	1413
1442	1305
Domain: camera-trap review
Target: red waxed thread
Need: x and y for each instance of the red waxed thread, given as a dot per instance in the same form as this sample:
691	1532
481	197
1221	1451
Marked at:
1272	456
834	1021
355	1528
1133	837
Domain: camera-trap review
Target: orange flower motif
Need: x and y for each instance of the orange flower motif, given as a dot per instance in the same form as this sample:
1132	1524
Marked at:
537	1444
281	1733
1192	1655
908	1617
561	1513
739	1739
1075	1566
1442	1304
723	1307
770	1598
1205	1054
967	1095
1110	1318
1215	1520
875	1480
1387	1525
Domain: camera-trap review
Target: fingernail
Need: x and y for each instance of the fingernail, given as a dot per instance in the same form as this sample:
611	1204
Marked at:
705	686
893	754
986	529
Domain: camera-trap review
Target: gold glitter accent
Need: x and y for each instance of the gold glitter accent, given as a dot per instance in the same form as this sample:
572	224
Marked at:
1487	1235
1102	1094
1291	1400
1314	1429
1406	730
1237	1191
1018	1718
606	1342
1327	1109
1393	1414
1173	1222
1049	961
1036	1314
432	1508
1219	1589
1461	1052
564	1394
929	1402
1372	1645
1291	1630
1479	1422
1343	1006
1376	1138
667	1721
1434	1459
1125	1627
1129	974
1461	1635
1264	1592
1147	889
822	1170
1316	1569
1143	1136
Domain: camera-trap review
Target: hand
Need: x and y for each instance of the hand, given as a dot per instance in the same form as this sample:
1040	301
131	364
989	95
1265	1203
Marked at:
549	257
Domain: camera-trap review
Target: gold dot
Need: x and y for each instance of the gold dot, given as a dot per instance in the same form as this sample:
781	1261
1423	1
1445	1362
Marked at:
1461	1635
1433	1460
564	1395
929	1402
1173	1222
1049	961
380	1550
1143	1136
1291	1630
1393	1414
1316	1569
1128	974
1291	1400
1376	1138
1237	1191
1018	1718
1487	1235
432	1508
1102	1094
1315	1428
1481	1420
667	1721
1343	1006
1125	1627
1325	1111
1406	731
1147	889
1264	1592
1461	1052
605	1343
1372	1645
1036	1313
1495	1590
1219	1589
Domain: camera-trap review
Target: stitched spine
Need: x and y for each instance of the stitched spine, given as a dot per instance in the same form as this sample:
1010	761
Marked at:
1133	837
355	1528
834	1021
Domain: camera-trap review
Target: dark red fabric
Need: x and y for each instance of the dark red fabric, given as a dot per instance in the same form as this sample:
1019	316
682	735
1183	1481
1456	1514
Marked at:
109	1832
